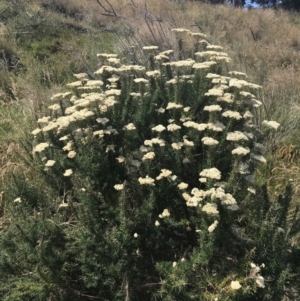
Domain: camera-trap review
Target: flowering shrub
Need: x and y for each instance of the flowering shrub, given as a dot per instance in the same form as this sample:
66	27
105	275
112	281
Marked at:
150	176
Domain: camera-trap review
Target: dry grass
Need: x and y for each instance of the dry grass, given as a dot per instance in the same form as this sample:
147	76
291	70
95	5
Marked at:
15	120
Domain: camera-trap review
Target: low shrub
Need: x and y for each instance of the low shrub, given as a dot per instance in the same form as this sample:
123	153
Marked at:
142	187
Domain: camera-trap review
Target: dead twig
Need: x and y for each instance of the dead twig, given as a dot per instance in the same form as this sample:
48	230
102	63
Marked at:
34	25
146	14
253	35
79	293
108	13
197	24
7	7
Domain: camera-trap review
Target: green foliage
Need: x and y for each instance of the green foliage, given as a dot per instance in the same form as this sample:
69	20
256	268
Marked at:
114	208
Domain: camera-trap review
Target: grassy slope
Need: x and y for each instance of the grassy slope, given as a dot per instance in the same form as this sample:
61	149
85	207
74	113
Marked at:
54	39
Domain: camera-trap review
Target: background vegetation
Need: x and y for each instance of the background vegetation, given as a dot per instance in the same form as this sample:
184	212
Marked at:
43	43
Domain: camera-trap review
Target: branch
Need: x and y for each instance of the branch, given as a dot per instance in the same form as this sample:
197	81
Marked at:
7	7
108	13
147	15
34	25
253	35
198	25
146	286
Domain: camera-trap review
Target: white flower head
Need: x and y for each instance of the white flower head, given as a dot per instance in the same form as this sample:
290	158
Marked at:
161	110
212	108
215	92
188	142
119	186
238	83
204	65
120	159
209	141
110	148
165	213
68	172
236	136
254	273
173	127
216	127
260	281
64	138
129	127
232	115
36	131
258	158
150	48
218	193
148	156
173	105
44	120
164	174
241	151
211	209
251	190
227	98
158	141
50	163
146	181
228	199
182	185
72	154
154	73
135	95
181	30
177	145
41	147
183	64
198	193
248	115
212	173
159	128
238	74
213	226
271	124
235	285
141	80
99	133
214	47
113	92
18	200
54	107
212	75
